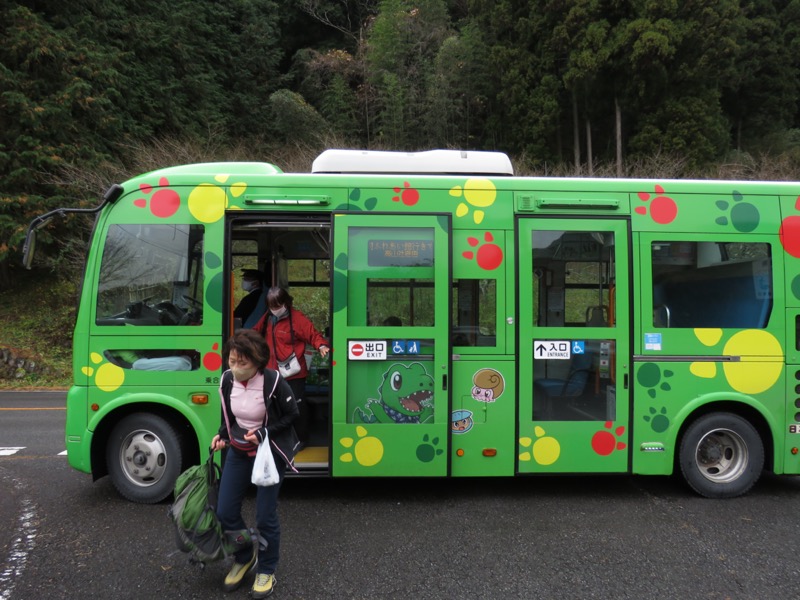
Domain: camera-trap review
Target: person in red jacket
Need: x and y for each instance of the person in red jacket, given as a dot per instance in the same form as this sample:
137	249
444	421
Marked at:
287	331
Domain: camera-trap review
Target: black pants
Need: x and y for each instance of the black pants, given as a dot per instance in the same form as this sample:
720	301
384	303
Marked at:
301	423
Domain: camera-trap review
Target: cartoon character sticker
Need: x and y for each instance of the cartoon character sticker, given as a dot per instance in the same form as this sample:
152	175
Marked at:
404	396
488	385
461	421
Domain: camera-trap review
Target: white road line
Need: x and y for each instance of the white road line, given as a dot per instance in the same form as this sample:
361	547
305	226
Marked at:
64	453
9	450
22	545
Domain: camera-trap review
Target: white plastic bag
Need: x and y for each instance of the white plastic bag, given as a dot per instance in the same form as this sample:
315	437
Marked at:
264	470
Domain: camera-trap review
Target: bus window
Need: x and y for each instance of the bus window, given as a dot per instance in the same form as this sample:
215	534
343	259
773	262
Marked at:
409	300
572	278
155	360
151	275
733	279
474	312
309	282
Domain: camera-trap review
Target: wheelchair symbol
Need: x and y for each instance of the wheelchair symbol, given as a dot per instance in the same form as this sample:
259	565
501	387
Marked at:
578	347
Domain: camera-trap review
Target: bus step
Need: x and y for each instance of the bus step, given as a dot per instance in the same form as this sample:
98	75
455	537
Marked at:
312	458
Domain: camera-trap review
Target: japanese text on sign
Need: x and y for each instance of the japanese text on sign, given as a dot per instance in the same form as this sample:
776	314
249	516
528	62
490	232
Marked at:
366	350
550	349
400	253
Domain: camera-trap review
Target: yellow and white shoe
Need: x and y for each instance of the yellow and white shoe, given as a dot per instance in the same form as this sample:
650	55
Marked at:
264	585
238	571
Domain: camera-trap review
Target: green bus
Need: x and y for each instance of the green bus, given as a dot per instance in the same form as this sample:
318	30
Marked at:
481	324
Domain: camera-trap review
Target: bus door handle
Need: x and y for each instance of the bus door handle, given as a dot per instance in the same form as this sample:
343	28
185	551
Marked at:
444	383
625	382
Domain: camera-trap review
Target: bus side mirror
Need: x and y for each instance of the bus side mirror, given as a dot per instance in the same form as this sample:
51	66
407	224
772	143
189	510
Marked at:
28	249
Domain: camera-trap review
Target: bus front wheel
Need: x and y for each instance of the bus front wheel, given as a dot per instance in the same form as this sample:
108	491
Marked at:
721	455
144	458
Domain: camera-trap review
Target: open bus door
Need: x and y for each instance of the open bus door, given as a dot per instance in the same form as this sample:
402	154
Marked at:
574	345
391	312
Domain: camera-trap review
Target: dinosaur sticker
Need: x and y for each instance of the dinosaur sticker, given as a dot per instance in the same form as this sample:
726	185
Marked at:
404	396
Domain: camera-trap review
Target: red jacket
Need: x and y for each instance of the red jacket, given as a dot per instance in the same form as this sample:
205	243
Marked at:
304	332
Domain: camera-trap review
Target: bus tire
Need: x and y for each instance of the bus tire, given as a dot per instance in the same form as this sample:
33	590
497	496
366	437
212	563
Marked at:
144	458
721	455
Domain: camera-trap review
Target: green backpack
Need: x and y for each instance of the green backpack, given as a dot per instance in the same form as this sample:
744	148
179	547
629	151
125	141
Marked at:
197	529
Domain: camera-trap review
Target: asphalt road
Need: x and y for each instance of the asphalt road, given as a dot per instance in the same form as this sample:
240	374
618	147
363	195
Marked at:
62	536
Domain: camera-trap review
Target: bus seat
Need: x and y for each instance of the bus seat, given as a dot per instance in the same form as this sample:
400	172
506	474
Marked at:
597	316
549	390
258	311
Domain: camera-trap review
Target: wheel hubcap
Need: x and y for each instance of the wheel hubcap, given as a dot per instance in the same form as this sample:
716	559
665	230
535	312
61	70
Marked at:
721	455
143	458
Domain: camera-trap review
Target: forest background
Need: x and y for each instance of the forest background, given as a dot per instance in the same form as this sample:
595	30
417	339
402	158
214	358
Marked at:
95	91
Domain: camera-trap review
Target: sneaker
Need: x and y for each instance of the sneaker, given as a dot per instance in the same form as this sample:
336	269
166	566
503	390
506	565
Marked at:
264	585
238	571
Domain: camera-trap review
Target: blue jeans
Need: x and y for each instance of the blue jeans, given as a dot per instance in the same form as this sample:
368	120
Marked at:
234	485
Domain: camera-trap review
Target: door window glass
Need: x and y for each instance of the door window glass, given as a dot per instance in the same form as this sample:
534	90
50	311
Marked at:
573	278
400	302
573	287
391	276
474	312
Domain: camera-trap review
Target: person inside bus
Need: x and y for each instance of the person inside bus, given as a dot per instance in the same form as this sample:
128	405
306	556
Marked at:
287	331
251	416
253	306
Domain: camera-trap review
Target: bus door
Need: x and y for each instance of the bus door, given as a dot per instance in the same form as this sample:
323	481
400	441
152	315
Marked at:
391	313
483	417
574	337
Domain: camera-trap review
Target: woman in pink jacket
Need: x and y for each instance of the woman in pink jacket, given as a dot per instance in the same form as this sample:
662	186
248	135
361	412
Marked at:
287	331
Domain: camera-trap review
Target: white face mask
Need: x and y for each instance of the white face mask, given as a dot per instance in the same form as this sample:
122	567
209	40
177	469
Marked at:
279	312
248	286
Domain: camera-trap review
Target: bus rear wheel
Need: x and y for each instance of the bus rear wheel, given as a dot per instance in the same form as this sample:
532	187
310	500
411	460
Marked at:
144	458
721	455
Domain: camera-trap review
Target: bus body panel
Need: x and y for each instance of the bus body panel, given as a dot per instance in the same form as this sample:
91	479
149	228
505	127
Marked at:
682	296
77	436
483	416
657	437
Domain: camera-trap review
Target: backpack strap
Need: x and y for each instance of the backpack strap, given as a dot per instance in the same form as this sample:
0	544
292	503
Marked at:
225	387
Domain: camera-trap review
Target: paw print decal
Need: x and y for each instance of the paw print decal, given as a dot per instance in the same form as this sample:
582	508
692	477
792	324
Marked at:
366	451
428	450
489	256
545	450
659	422
743	216
163	203
789	232
604	442
649	376
663	209
213	360
407	195
477	192
750	375
108	377
355	196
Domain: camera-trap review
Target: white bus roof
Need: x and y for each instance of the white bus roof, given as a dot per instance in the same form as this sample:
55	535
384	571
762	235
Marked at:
441	162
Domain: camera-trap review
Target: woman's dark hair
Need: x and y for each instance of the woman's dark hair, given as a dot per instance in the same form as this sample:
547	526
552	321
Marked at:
250	344
277	297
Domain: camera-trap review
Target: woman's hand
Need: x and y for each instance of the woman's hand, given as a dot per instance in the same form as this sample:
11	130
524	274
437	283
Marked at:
251	437
323	350
218	443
